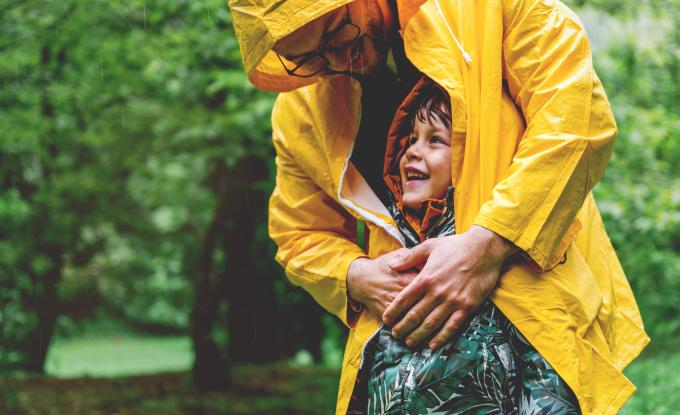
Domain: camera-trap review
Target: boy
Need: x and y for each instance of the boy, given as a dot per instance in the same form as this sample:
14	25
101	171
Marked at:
490	367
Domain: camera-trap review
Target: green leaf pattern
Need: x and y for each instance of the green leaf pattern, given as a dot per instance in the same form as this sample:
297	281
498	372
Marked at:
490	368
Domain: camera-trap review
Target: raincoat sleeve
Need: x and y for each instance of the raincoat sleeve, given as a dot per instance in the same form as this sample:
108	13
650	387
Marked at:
314	234
569	134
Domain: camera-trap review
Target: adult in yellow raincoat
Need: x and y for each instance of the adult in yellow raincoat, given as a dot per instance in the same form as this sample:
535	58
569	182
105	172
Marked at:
532	133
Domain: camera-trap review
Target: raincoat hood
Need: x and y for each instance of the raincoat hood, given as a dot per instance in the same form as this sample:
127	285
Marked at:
259	24
431	211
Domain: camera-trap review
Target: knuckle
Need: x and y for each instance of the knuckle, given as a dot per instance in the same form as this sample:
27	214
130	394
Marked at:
450	301
462	303
426	243
440	338
467	305
430	324
396	301
428	281
414	317
419	285
440	295
405	279
451	326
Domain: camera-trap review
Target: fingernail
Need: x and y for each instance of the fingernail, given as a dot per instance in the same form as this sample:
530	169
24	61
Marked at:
433	346
409	342
395	334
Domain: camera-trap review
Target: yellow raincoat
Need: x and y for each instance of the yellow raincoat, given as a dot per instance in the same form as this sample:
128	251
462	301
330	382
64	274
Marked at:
532	134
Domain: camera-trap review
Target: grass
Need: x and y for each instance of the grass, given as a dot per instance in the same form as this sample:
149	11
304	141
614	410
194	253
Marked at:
150	375
118	356
95	376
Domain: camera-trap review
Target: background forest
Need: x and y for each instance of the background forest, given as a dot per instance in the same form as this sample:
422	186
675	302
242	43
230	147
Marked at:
135	165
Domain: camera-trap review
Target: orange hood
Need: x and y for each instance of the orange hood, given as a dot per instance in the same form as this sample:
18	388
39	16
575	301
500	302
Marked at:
399	133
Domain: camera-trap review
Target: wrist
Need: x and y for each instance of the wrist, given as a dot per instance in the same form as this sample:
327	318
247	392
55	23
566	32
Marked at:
497	246
353	274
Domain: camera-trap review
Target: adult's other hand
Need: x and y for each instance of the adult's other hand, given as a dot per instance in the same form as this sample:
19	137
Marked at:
373	283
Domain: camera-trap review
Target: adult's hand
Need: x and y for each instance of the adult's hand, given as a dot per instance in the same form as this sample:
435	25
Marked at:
459	273
373	283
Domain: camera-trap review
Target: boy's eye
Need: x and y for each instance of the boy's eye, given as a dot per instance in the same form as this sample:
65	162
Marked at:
436	139
412	140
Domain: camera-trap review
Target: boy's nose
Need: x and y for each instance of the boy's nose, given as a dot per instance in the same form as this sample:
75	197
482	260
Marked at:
413	151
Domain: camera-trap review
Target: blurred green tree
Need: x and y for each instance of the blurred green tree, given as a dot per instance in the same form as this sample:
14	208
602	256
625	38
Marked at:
135	162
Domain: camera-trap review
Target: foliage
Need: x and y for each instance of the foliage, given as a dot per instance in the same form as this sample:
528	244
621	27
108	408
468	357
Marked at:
625	8
656	378
114	117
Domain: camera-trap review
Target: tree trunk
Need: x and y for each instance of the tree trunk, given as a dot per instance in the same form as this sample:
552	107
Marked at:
46	306
45	301
210	369
254	318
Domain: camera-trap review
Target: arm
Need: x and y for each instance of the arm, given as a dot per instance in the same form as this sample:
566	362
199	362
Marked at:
314	234
315	238
569	135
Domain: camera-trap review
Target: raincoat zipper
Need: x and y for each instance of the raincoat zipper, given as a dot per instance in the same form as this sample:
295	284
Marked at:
363	347
390	230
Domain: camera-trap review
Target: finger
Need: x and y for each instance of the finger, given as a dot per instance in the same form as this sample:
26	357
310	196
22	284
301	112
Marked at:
429	325
405	299
402	280
411	258
455	322
403	302
397	255
413	319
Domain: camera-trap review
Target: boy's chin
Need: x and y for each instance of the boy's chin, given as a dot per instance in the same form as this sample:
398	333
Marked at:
417	202
413	203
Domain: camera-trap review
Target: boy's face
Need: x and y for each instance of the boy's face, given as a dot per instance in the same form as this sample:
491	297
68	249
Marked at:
425	166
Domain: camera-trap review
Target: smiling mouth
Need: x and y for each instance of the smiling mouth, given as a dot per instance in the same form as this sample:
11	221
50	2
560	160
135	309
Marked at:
414	175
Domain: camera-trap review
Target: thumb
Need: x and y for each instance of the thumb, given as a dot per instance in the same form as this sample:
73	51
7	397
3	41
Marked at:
412	258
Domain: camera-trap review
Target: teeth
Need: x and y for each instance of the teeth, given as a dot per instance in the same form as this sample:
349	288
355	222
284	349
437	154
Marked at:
416	176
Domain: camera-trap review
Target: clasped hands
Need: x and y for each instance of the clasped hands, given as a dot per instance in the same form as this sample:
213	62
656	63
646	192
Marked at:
431	290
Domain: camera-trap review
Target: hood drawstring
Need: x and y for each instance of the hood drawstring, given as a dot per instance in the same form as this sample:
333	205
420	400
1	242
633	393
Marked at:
467	57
